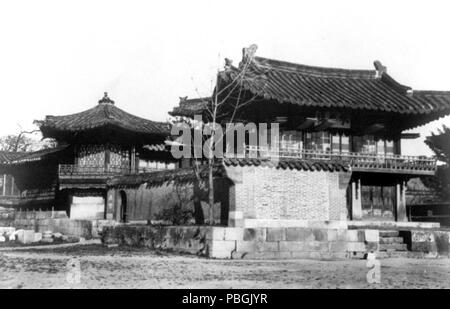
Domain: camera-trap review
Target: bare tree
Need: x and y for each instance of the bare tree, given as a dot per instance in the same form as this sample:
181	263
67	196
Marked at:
225	102
22	142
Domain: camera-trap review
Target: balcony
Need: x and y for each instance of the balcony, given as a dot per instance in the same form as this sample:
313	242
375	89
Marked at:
70	170
359	162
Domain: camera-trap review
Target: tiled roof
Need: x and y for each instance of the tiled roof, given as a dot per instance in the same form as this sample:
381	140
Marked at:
190	107
305	165
37	155
310	86
158	178
102	115
341	88
155	147
8	156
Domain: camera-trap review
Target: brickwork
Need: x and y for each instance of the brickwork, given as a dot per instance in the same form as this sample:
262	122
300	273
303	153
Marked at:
270	193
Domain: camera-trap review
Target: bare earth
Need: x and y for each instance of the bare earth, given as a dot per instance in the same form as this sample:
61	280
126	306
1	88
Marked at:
140	268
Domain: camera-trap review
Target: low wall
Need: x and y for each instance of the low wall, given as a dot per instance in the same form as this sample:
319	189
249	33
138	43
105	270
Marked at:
247	243
6	216
58	222
80	228
429	243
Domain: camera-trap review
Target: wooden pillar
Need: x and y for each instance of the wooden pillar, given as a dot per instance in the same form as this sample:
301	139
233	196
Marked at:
4	185
12	186
400	201
356	199
133	159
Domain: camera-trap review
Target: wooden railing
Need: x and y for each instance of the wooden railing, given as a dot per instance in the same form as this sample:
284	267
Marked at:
355	160
76	170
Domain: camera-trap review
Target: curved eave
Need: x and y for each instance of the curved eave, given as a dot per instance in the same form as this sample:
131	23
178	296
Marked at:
123	133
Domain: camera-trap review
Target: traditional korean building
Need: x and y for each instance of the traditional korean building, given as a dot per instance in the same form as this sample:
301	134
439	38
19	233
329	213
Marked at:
9	194
339	155
93	146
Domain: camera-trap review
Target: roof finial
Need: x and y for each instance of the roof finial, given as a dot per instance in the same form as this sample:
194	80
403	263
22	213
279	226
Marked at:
228	63
250	51
106	99
381	69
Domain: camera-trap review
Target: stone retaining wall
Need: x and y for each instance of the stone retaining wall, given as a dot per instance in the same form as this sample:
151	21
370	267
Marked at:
247	243
430	243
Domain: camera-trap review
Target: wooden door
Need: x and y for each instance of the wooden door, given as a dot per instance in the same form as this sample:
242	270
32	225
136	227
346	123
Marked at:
378	202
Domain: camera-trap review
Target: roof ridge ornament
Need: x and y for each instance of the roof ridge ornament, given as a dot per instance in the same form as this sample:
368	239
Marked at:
106	99
249	52
228	63
381	69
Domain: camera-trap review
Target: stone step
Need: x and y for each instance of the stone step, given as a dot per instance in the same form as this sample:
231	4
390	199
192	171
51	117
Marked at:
393	247
386	233
391	240
392	254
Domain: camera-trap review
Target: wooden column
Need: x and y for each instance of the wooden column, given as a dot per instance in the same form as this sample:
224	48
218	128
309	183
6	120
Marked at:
133	159
12	185
400	201
4	185
356	199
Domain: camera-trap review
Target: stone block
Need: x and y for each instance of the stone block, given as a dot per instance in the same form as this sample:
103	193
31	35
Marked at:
216	233
292	246
424	247
361	235
282	255
11	237
223	245
216	254
320	235
352	236
442	242
332	235
422	236
372	246
371	235
338	246
37	237
234	233
306	255
299	234
276	234
267	246
259	255
25	236
7	230
246	246
258	234
356	247
335	256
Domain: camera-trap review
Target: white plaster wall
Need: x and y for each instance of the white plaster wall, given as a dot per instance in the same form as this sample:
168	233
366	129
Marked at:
87	208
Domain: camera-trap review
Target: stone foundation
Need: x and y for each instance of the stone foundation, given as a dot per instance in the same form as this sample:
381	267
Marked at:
247	243
429	243
58	222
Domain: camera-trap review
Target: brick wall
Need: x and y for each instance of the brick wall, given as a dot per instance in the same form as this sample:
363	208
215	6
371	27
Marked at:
270	193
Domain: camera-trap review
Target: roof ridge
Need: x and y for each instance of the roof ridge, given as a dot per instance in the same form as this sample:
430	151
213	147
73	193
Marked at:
431	92
313	70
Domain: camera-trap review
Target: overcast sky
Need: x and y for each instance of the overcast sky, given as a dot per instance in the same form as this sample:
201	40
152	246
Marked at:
58	57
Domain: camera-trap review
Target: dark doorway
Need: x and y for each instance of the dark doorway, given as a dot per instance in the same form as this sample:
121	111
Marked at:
378	202
123	206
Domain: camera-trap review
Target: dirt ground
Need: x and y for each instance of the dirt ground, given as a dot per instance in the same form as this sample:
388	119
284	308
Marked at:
140	268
